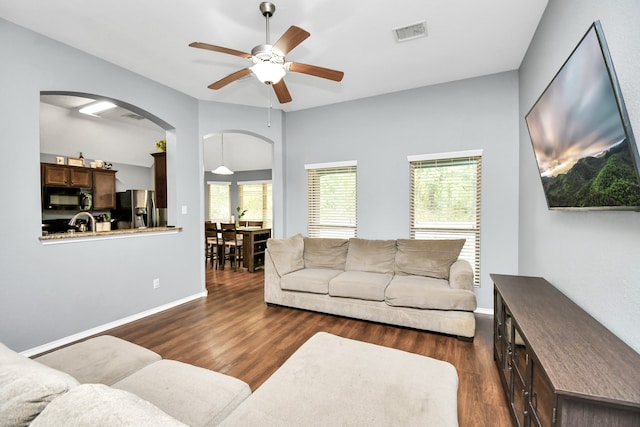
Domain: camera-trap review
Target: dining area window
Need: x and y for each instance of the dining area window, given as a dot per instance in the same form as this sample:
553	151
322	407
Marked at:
255	197
219	201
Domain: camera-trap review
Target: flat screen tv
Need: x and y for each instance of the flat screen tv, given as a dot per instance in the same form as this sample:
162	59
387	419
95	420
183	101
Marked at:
581	134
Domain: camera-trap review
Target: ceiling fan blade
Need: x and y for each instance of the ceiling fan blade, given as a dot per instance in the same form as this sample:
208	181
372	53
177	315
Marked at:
312	70
220	49
290	39
229	79
282	92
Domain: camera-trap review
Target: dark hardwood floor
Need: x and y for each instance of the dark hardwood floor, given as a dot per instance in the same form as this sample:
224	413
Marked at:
234	332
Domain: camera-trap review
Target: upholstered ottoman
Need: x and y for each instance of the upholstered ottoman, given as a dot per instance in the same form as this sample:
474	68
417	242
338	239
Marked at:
331	380
104	359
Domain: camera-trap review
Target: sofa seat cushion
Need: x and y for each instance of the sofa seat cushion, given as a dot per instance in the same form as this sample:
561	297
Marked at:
100	405
193	395
313	280
375	256
431	258
27	387
325	253
287	254
360	285
428	293
104	359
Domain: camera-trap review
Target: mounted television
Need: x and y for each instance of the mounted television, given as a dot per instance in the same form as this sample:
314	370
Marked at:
581	134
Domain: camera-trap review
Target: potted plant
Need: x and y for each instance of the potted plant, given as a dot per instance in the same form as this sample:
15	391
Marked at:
240	215
161	145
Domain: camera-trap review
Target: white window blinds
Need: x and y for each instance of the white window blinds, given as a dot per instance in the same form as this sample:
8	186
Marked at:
257	199
332	200
446	200
219	201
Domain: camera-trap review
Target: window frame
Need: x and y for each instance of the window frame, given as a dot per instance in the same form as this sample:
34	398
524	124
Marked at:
471	251
315	225
210	202
266	215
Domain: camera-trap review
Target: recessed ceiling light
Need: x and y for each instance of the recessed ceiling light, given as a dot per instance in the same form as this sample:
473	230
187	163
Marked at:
410	32
97	107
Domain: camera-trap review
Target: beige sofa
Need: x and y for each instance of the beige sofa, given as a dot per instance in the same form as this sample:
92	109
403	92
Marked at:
414	283
106	381
329	380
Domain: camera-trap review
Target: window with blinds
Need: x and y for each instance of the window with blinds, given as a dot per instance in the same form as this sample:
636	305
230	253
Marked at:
331	200
219	201
257	199
445	201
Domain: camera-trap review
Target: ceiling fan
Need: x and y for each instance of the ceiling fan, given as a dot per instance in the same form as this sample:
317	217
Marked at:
269	65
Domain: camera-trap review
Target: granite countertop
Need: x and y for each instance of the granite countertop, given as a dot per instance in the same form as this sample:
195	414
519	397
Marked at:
89	234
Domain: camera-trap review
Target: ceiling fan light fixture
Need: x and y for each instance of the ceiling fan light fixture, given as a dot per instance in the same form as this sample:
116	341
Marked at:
268	72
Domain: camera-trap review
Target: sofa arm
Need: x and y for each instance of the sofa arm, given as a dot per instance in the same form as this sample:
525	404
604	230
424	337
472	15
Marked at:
461	275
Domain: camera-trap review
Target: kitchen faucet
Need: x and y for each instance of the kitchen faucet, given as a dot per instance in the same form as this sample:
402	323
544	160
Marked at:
83	213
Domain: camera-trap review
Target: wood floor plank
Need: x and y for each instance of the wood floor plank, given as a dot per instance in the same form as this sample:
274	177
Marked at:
234	332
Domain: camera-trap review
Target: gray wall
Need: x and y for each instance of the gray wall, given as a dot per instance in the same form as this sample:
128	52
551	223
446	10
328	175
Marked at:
50	292
592	257
380	132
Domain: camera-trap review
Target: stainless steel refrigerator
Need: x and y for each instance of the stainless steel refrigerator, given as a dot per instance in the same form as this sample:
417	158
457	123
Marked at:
136	209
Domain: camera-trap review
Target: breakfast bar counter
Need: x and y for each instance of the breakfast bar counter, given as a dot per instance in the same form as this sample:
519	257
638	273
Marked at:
88	235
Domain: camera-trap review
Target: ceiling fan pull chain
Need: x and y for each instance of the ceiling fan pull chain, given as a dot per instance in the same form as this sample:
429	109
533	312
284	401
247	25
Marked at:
269	106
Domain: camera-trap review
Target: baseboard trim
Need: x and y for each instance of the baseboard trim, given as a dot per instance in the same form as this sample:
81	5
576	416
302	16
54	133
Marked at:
488	311
98	329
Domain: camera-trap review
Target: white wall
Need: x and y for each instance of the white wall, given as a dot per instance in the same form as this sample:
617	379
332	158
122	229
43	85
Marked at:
380	133
592	257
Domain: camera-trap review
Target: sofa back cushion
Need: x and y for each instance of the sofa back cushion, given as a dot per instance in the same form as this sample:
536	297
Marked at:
375	256
325	253
430	258
287	253
27	387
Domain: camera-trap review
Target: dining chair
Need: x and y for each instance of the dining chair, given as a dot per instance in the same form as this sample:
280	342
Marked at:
232	244
212	243
255	223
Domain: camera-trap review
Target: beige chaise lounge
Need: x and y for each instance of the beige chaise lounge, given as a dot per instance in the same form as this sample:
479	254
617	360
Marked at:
414	283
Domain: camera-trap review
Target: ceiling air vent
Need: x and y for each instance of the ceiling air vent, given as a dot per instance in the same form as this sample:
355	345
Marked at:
410	32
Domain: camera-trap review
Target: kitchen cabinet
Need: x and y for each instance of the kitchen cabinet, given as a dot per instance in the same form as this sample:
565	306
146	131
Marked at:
558	365
101	181
66	176
104	189
160	178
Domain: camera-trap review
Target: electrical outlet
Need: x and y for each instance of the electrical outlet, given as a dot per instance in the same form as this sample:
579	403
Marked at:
184	209
156	283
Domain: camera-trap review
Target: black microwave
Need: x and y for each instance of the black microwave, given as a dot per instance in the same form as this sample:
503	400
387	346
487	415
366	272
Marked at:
71	199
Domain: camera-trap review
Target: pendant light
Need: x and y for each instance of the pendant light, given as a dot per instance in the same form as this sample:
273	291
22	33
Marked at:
222	169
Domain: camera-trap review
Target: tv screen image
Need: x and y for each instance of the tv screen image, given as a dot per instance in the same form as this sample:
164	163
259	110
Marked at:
581	135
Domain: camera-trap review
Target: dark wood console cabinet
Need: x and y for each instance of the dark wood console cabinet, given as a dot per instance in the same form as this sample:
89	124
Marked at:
558	365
